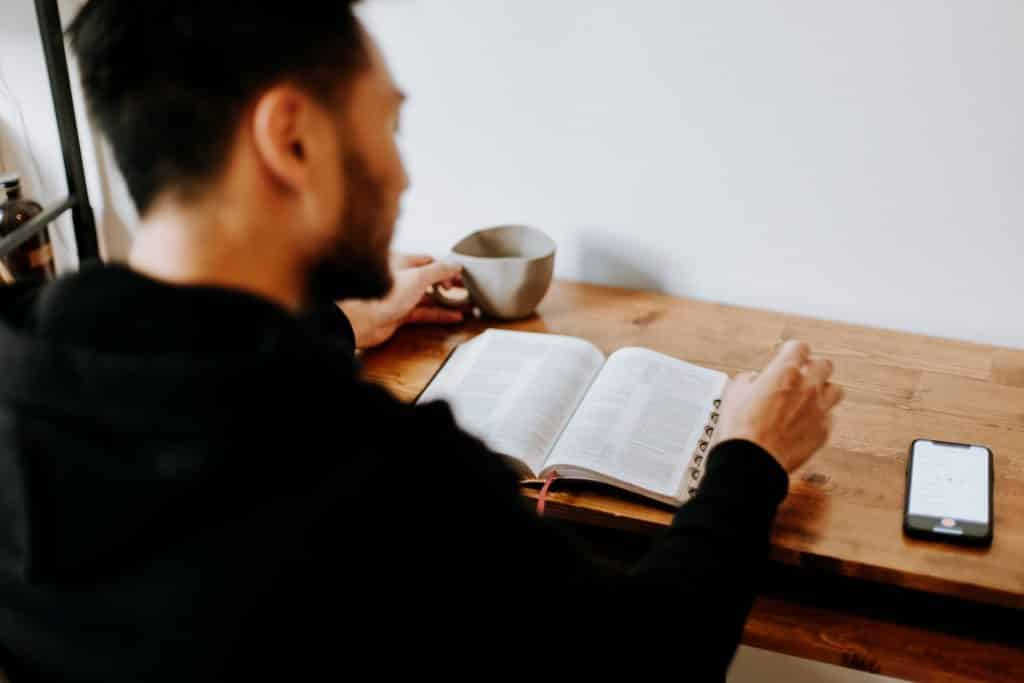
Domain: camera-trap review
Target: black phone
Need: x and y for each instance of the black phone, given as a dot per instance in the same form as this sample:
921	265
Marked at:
949	492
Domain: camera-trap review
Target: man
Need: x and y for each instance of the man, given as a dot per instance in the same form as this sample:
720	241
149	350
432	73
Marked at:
197	485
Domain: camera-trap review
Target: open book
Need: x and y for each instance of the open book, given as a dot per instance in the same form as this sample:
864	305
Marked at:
638	420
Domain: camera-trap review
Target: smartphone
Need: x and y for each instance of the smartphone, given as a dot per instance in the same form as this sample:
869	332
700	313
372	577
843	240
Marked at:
949	492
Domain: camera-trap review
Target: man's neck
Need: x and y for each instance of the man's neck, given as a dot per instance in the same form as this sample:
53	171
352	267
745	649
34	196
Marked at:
181	247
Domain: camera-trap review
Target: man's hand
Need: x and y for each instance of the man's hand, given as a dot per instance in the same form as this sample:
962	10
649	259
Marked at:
375	320
787	409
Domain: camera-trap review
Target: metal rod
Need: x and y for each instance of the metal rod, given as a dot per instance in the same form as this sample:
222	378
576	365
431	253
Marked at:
52	36
25	232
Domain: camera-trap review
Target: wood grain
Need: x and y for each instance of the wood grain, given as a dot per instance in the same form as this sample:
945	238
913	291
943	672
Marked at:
844	512
878	646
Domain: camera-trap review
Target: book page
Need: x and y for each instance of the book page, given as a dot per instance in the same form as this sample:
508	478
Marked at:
517	390
641	422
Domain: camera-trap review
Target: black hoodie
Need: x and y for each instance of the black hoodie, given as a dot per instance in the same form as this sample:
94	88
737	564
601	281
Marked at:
196	485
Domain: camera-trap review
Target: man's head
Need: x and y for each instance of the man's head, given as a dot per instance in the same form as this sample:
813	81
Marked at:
277	117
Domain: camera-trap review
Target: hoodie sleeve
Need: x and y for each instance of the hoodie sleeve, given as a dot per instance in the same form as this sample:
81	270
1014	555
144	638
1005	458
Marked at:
701	573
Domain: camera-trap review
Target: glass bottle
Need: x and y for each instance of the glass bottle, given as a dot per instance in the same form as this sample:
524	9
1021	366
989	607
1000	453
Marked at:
33	259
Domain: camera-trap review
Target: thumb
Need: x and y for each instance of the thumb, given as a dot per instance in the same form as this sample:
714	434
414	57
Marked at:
413	260
437	271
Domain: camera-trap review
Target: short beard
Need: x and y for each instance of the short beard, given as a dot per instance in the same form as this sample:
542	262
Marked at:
355	268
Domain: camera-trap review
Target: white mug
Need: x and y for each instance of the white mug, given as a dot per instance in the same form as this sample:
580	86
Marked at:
507	270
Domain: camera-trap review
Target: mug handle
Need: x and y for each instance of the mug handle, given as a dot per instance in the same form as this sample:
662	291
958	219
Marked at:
441	296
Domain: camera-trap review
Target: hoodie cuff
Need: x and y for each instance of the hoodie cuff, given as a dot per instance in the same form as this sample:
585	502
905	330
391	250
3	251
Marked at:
741	491
742	469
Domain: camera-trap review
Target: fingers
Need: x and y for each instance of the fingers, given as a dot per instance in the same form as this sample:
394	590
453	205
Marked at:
831	395
784	369
815	419
827	426
434	315
437	271
817	372
816	375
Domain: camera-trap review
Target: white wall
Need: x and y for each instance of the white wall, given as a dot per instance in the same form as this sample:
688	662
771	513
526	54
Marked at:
861	161
29	143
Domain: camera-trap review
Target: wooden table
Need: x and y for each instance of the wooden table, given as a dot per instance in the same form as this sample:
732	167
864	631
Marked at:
844	512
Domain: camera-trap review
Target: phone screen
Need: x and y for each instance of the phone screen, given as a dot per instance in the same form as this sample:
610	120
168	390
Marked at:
950	481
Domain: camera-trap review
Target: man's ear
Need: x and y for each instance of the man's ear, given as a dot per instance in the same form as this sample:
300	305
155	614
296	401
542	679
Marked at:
280	130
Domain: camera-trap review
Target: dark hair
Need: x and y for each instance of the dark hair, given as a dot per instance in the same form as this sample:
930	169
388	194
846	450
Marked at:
167	80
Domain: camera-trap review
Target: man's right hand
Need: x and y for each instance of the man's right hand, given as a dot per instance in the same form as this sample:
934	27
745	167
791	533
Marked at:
786	409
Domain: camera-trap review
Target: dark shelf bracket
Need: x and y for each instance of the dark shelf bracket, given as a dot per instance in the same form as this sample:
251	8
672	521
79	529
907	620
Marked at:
25	232
52	36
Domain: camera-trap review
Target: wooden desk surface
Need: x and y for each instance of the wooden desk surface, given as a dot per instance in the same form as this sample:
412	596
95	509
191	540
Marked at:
844	511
